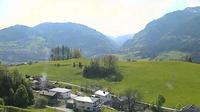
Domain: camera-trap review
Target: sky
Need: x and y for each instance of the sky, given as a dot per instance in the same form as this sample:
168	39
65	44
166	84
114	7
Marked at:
111	17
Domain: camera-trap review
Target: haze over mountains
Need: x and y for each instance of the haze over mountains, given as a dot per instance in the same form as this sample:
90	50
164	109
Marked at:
120	40
22	43
178	31
175	34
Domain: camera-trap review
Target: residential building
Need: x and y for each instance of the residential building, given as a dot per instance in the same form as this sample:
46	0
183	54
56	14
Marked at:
51	96
63	93
84	103
103	95
190	108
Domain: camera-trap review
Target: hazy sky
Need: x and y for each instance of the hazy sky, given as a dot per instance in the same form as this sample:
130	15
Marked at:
111	17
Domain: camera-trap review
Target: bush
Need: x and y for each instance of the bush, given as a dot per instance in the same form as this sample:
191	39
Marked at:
41	102
68	87
1	101
30	62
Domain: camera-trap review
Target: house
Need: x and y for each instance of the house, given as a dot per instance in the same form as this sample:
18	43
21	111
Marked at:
69	103
103	95
118	103
85	103
51	96
63	93
190	108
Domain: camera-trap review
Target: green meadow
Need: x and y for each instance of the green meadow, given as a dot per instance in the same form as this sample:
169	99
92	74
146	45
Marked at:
179	82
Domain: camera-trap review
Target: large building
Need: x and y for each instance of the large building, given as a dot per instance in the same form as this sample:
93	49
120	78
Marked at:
62	93
85	103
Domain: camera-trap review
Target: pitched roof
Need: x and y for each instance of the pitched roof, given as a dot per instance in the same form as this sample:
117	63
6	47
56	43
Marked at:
190	108
101	93
47	93
60	90
86	99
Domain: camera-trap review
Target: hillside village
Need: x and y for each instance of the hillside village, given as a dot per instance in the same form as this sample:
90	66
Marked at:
66	99
100	56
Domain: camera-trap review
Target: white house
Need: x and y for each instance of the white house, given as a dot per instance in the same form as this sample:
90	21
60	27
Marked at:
62	92
86	103
103	95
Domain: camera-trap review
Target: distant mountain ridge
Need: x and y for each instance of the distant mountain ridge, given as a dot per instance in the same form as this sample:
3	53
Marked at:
75	35
177	31
22	43
120	40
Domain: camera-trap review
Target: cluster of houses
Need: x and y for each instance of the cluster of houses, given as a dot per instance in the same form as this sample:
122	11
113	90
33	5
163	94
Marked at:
91	103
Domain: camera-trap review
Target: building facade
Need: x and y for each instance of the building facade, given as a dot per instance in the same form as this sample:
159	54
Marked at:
89	104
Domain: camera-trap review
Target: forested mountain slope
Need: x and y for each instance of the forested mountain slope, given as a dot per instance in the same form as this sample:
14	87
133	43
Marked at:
177	31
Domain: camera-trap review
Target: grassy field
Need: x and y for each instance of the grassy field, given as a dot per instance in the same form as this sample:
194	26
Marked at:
43	110
179	82
30	109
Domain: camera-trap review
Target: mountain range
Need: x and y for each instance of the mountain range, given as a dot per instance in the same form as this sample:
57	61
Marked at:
21	43
175	36
177	31
120	40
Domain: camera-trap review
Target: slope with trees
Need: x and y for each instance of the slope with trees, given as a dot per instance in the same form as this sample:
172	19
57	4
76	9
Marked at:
22	43
14	89
75	35
177	31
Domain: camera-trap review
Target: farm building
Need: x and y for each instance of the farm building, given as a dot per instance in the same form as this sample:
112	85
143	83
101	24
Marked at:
62	93
85	103
103	95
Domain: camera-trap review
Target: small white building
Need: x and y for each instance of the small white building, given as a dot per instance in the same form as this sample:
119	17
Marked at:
103	95
62	92
85	103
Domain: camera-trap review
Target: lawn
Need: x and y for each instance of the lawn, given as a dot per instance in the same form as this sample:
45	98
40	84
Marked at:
30	109
179	82
43	110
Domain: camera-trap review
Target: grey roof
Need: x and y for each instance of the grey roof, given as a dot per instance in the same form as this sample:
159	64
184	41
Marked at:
190	108
47	93
60	90
86	99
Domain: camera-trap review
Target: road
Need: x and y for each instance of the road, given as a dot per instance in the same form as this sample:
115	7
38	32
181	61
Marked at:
74	85
70	84
61	108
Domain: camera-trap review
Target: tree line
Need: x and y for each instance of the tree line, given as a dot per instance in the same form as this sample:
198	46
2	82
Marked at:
103	67
14	89
64	52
